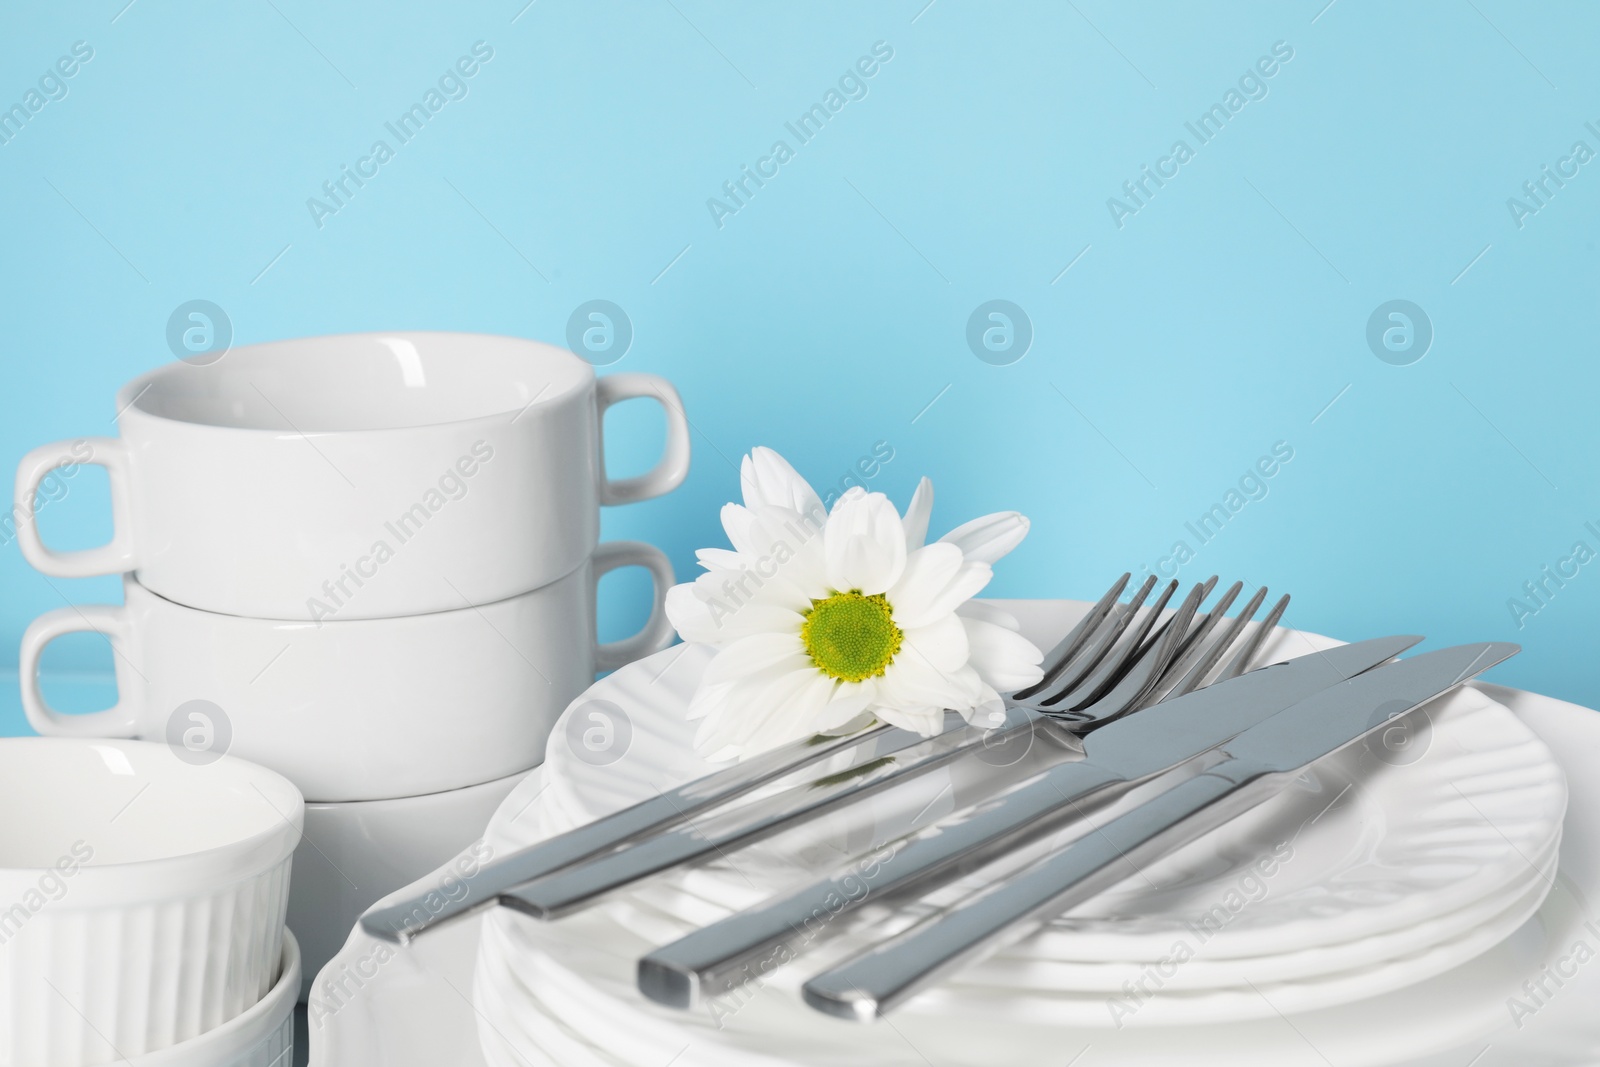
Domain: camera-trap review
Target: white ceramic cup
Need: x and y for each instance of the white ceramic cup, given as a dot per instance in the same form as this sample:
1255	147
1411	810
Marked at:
356	477
142	897
365	709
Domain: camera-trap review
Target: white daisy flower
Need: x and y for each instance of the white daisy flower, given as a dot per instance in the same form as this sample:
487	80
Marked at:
826	621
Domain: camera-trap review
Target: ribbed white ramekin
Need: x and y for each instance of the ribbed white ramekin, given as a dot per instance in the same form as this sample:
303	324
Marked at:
263	1036
160	917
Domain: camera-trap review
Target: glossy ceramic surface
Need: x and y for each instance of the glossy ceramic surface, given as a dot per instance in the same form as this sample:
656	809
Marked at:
364	709
359	476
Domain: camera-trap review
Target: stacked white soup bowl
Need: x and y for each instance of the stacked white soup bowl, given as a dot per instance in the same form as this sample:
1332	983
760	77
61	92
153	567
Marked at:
367	562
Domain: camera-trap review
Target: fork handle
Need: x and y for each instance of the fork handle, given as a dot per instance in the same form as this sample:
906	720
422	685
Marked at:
406	919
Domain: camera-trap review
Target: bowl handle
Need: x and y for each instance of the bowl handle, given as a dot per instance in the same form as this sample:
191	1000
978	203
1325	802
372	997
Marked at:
115	556
657	632
674	466
119	720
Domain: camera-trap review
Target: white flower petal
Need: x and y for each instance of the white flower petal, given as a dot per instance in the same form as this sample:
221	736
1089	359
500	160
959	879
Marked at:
793	553
725	591
911	680
802	711
917	514
708	700
942	643
849	700
988	537
988	712
864	543
854	492
860	722
926	719
719	558
1003	658
989	611
749	706
752	531
736	522
778	559
690	615
745	619
758	653
767	479
921	605
927	572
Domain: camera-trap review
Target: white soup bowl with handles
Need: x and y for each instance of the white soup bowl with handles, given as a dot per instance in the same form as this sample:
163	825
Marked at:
354	709
362	476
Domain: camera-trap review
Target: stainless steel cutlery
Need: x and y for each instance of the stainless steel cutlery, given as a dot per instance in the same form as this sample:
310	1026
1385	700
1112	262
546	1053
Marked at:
1134	694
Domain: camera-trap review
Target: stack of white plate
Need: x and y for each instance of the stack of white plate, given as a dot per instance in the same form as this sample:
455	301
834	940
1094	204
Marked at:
1373	873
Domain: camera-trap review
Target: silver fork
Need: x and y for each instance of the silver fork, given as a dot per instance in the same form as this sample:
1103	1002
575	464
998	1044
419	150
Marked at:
1116	681
1109	665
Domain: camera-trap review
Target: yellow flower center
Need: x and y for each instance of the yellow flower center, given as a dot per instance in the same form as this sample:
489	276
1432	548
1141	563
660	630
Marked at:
851	636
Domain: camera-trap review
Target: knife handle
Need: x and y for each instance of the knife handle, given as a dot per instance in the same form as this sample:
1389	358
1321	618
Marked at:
718	958
874	982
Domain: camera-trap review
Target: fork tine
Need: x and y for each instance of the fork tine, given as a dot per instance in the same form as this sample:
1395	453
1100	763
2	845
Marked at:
1197	633
1192	642
1205	590
1070	645
1128	691
1195	639
1203	662
1160	634
1252	645
1101	644
1110	669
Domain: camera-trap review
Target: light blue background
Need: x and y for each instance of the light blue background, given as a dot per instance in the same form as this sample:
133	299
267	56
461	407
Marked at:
830	312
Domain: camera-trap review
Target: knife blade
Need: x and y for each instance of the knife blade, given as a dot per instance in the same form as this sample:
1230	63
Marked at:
1253	766
724	955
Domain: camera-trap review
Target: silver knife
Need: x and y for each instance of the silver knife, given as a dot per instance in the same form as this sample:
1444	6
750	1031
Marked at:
1253	766
728	953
